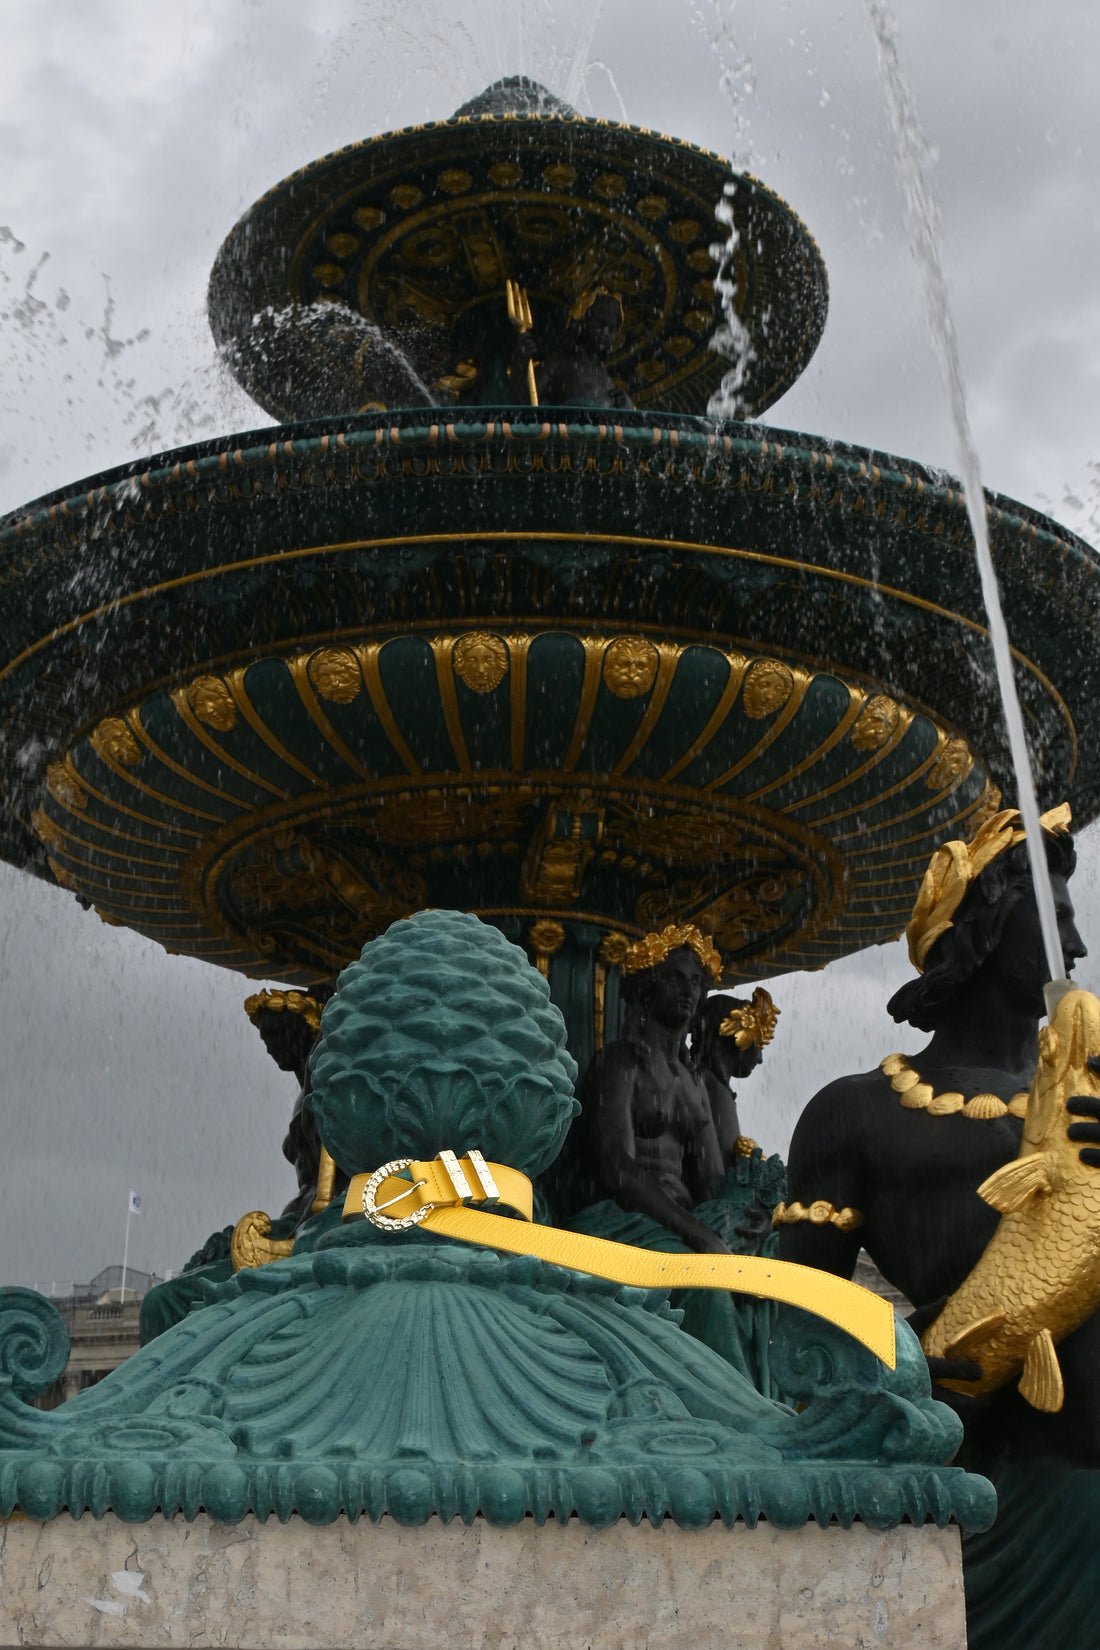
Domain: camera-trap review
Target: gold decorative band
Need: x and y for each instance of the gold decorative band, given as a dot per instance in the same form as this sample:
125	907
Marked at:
818	1213
431	1196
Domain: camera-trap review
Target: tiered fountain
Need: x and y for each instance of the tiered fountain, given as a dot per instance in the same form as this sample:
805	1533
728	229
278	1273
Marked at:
581	667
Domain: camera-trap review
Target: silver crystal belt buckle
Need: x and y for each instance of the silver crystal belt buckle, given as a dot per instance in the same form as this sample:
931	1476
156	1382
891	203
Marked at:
373	1212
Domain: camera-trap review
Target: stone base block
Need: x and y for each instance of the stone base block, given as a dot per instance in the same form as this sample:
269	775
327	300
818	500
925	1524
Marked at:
562	1587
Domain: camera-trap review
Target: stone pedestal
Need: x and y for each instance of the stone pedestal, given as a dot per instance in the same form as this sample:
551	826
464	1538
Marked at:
383	1586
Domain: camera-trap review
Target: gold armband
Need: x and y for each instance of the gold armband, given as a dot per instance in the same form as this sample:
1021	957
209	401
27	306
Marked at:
818	1213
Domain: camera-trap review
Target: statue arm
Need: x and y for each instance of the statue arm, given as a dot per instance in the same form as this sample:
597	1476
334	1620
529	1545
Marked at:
723	1104
632	1187
825	1166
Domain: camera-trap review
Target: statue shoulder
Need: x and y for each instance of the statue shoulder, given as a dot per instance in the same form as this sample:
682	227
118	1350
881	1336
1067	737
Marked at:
617	1062
837	1114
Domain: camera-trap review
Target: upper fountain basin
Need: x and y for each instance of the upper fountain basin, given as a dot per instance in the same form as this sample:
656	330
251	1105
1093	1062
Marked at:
262	695
381	266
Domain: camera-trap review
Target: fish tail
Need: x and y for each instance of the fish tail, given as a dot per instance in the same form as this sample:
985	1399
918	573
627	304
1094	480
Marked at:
1041	1381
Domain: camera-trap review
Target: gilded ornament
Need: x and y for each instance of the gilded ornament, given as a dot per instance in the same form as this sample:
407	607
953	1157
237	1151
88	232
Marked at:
506	174
342	245
654	948
752	1026
369	217
106	916
326	1182
916	1095
456	383
114	741
608	185
328	274
990	805
693	837
685	230
985	1105
289	1002
630	666
63	878
559	867
953	763
558	175
47	832
480	661
818	1213
406	196
250	1244
875	723
614	949
652	206
454	181
436	816
335	674
953	868
546	936
745	1145
212	703
768	686
64	787
1038	1278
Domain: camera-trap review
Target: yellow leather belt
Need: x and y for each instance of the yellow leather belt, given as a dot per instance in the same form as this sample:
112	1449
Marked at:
433	1195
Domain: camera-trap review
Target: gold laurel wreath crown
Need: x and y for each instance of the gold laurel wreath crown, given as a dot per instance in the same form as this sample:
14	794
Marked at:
953	868
654	948
290	1002
754	1024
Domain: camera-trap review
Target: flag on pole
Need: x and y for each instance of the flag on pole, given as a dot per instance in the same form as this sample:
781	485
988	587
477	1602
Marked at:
135	1203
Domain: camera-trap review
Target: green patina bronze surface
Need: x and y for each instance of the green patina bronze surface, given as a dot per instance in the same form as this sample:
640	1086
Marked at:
794	741
376	1373
415	233
442	1036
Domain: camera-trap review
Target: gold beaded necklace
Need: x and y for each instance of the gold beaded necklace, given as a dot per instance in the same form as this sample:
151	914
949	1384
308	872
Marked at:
918	1096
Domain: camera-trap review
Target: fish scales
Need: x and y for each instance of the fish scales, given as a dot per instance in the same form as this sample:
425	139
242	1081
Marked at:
1038	1278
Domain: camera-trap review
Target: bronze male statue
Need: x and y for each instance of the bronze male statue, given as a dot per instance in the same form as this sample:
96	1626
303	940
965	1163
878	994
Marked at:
891	1160
650	1140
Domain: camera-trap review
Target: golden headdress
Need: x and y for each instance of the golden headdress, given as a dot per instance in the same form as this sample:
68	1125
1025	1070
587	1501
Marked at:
754	1024
953	868
288	1002
654	948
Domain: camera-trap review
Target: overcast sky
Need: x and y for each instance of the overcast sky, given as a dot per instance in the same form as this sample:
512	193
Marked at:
132	136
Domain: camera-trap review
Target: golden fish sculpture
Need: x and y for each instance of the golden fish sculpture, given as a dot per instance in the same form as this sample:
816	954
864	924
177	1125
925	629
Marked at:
1038	1278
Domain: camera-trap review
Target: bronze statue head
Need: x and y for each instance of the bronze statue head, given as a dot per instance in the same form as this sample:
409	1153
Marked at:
976	909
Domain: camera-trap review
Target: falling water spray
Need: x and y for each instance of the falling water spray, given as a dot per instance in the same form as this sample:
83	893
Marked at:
924	233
